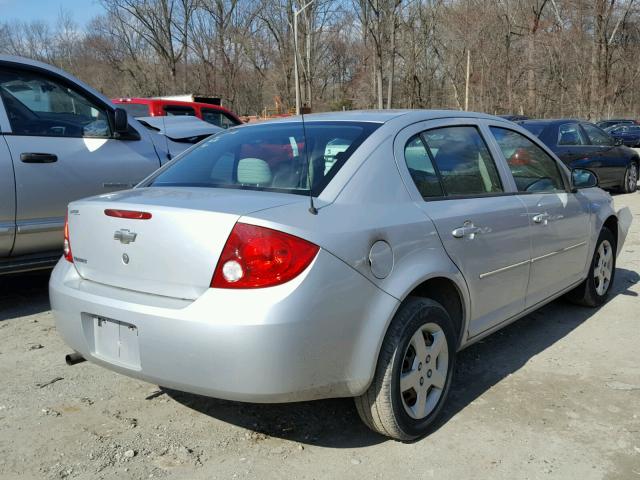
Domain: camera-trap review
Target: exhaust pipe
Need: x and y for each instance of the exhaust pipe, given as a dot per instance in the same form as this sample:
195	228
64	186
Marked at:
74	358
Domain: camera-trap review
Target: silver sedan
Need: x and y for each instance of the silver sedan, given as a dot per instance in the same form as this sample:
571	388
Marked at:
267	265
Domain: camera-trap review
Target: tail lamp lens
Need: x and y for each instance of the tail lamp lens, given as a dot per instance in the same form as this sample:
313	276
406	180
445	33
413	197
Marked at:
258	257
67	244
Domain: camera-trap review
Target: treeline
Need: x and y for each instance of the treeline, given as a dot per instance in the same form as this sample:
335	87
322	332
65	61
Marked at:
541	58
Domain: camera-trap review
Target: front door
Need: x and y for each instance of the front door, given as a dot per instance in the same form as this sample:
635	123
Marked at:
559	220
483	228
63	149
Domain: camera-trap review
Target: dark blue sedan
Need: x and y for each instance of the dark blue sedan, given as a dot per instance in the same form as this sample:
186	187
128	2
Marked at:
628	134
581	144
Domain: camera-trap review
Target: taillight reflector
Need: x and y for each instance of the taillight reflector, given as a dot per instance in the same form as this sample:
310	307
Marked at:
67	244
130	214
258	257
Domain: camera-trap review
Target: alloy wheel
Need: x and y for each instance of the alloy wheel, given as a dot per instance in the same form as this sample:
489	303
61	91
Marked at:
603	267
424	371
632	177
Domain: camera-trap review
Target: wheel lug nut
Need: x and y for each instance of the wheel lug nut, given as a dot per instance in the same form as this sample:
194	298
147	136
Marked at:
429	373
420	366
421	380
428	358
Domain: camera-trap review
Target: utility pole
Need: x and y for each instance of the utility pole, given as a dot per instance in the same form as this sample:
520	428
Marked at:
296	12
466	86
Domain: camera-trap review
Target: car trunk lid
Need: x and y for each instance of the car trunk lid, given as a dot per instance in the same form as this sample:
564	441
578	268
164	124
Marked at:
175	251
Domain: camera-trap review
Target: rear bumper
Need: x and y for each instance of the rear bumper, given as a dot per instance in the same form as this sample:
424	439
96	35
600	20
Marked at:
317	336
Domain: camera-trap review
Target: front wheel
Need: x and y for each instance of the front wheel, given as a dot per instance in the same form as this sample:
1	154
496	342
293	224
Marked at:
413	373
594	290
630	182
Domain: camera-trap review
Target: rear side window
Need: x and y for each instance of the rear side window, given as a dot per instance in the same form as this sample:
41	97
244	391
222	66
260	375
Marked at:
421	168
462	161
172	110
570	134
274	157
532	169
135	109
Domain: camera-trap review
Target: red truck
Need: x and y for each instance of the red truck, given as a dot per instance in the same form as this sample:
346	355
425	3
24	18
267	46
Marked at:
157	107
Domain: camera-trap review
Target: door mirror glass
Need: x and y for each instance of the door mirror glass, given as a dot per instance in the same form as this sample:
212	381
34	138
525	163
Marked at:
120	121
582	178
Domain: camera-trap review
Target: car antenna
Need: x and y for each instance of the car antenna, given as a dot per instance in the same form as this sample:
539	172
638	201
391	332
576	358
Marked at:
312	209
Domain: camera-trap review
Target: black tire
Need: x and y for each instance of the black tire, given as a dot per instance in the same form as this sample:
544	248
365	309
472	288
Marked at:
586	293
381	407
630	174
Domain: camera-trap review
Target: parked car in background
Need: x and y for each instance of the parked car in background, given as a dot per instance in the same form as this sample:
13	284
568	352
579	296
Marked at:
158	107
628	134
514	118
220	259
581	144
612	122
179	132
60	140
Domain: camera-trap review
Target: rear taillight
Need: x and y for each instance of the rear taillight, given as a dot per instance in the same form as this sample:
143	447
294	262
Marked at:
67	244
257	257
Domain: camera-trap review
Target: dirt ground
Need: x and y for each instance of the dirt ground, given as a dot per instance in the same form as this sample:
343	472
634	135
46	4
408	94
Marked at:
554	395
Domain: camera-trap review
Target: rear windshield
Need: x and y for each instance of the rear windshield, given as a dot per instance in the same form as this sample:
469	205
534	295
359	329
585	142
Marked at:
282	157
135	109
535	128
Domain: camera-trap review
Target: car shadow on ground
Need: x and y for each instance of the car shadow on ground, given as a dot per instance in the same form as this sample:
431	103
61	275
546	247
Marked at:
334	423
24	294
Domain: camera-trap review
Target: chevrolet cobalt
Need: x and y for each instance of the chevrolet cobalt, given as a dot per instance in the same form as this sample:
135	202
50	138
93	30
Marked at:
349	255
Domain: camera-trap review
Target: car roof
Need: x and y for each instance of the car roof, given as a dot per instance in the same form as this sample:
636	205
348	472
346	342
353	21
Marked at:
381	116
551	121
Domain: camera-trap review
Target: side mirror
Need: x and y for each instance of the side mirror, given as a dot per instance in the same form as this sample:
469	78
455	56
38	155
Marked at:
582	178
617	141
120	121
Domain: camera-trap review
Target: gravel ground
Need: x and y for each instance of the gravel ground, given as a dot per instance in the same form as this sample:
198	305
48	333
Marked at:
554	395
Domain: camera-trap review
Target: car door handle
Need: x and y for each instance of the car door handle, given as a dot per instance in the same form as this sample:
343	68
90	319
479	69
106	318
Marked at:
467	230
31	157
541	218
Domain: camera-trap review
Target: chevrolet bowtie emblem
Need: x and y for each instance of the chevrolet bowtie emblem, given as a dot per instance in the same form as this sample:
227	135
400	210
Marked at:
125	236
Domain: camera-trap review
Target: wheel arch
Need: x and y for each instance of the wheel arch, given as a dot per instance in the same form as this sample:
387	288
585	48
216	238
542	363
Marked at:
447	293
612	224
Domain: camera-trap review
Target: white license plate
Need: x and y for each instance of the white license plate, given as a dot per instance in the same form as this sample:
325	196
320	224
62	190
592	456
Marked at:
116	341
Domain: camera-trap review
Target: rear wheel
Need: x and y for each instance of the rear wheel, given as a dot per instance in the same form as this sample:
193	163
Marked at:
413	374
630	182
595	289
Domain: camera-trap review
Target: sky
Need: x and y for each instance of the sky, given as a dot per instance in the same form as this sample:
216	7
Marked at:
48	10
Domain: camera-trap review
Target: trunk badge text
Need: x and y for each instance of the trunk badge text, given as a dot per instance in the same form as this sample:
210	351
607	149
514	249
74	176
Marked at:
125	236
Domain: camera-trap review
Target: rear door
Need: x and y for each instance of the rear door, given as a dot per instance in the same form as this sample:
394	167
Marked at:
571	143
63	149
482	225
559	219
7	192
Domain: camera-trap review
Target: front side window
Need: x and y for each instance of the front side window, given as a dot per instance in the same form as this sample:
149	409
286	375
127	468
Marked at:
274	157
176	110
39	105
462	160
217	118
597	136
532	169
570	134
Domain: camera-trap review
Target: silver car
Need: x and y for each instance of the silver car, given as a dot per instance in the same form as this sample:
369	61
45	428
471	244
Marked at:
249	269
